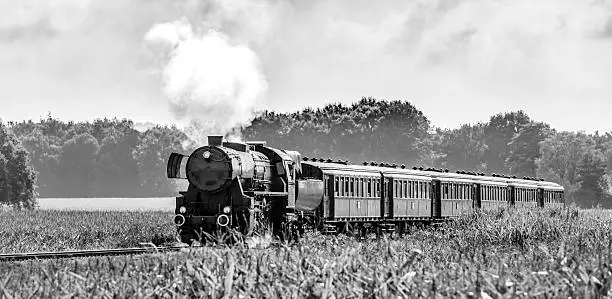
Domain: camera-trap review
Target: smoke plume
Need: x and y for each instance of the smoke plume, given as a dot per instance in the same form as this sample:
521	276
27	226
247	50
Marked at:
213	85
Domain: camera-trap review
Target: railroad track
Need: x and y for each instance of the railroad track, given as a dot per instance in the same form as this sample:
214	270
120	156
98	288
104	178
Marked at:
84	253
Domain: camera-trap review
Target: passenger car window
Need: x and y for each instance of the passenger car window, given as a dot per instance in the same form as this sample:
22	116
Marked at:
397	189
337	189
409	190
361	187
445	191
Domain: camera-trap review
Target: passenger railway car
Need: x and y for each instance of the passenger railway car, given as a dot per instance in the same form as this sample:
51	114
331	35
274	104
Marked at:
247	186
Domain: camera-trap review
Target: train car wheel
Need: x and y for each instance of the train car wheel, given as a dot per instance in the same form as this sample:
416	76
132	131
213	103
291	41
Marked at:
400	229
363	232
349	229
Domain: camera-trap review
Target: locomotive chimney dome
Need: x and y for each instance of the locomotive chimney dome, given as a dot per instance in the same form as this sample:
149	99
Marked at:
215	140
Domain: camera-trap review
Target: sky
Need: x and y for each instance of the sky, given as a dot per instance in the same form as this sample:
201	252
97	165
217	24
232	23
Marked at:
213	64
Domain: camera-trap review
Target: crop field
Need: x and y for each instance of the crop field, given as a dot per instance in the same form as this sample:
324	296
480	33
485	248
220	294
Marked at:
28	231
502	254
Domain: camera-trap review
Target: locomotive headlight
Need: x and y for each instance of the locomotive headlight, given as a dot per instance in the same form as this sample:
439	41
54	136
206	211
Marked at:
182	210
206	155
227	210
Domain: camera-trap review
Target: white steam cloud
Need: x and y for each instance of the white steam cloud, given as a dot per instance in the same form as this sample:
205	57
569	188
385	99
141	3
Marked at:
213	86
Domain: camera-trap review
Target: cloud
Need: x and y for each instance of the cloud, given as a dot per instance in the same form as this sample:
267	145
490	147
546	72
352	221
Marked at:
472	56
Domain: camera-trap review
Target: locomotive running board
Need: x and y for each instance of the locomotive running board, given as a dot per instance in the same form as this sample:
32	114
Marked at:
175	165
270	193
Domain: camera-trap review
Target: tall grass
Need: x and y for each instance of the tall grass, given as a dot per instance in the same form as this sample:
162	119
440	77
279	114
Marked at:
507	253
27	231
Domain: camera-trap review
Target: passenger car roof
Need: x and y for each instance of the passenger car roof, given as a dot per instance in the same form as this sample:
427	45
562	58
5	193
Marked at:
352	169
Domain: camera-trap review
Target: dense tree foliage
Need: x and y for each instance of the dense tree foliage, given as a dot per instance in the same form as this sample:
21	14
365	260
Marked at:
104	158
110	158
593	187
394	132
17	177
580	163
499	132
524	149
462	148
151	155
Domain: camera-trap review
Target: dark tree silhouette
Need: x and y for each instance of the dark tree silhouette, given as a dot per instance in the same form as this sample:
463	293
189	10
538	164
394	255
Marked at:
593	188
499	132
463	148
78	165
151	155
524	148
367	130
17	177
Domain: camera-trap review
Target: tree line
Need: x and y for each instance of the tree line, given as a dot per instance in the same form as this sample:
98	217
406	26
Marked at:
395	132
110	158
103	158
17	176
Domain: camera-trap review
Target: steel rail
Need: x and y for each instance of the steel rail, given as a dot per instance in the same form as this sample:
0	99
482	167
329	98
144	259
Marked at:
5	257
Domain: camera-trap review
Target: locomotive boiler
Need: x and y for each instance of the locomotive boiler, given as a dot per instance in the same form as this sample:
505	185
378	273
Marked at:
244	186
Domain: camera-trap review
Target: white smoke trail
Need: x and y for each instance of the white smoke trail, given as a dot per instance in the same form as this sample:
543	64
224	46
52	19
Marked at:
213	85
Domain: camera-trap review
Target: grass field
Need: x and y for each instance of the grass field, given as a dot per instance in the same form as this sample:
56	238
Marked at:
27	231
508	253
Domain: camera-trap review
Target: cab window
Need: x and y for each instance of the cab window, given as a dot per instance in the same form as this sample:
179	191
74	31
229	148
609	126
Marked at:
291	171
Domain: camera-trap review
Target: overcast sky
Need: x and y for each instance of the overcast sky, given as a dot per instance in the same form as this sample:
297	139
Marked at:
459	61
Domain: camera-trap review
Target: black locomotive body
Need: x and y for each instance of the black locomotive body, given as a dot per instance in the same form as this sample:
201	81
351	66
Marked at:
244	186
248	186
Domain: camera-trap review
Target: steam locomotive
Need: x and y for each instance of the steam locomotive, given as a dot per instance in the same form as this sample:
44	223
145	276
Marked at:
250	186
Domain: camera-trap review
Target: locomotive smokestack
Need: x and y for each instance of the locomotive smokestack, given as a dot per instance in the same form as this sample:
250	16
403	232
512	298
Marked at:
215	140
